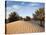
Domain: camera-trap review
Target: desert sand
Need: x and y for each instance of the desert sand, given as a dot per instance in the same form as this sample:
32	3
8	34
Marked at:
22	27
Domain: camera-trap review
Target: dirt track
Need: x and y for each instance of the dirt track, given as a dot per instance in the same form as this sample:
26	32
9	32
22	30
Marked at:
22	27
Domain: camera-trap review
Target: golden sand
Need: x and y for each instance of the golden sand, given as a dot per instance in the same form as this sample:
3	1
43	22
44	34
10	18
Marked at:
22	27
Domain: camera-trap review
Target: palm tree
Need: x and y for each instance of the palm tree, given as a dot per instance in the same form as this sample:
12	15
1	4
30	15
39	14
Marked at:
40	15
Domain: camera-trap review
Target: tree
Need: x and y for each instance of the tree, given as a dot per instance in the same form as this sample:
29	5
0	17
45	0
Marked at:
27	18
39	15
13	17
20	18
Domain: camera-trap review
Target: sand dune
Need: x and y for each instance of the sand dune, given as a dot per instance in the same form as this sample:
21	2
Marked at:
22	27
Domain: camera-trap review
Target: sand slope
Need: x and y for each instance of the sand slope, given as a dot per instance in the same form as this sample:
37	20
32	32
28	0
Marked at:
22	27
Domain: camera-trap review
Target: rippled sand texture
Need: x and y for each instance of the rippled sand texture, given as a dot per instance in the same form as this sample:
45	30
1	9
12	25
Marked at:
22	27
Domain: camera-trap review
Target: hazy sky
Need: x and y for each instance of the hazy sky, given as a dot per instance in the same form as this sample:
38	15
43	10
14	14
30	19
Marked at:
22	8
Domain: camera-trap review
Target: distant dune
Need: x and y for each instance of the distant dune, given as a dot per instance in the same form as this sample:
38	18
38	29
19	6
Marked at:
22	27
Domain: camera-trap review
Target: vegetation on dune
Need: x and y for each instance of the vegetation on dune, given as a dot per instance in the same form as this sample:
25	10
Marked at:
27	18
13	17
40	15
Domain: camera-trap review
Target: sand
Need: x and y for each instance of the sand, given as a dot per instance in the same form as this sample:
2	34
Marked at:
22	27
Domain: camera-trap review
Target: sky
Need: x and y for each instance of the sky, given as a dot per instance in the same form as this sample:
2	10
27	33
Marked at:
22	8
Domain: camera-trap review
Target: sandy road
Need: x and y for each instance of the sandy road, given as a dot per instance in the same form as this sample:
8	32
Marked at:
22	27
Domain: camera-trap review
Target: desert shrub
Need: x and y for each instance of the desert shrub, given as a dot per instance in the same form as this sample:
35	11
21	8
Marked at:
40	15
27	18
13	17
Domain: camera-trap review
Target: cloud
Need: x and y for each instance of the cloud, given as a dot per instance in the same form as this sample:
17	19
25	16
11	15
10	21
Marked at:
9	0
15	8
23	9
33	4
22	3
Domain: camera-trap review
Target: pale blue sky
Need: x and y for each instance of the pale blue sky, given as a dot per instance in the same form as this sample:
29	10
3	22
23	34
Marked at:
23	8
